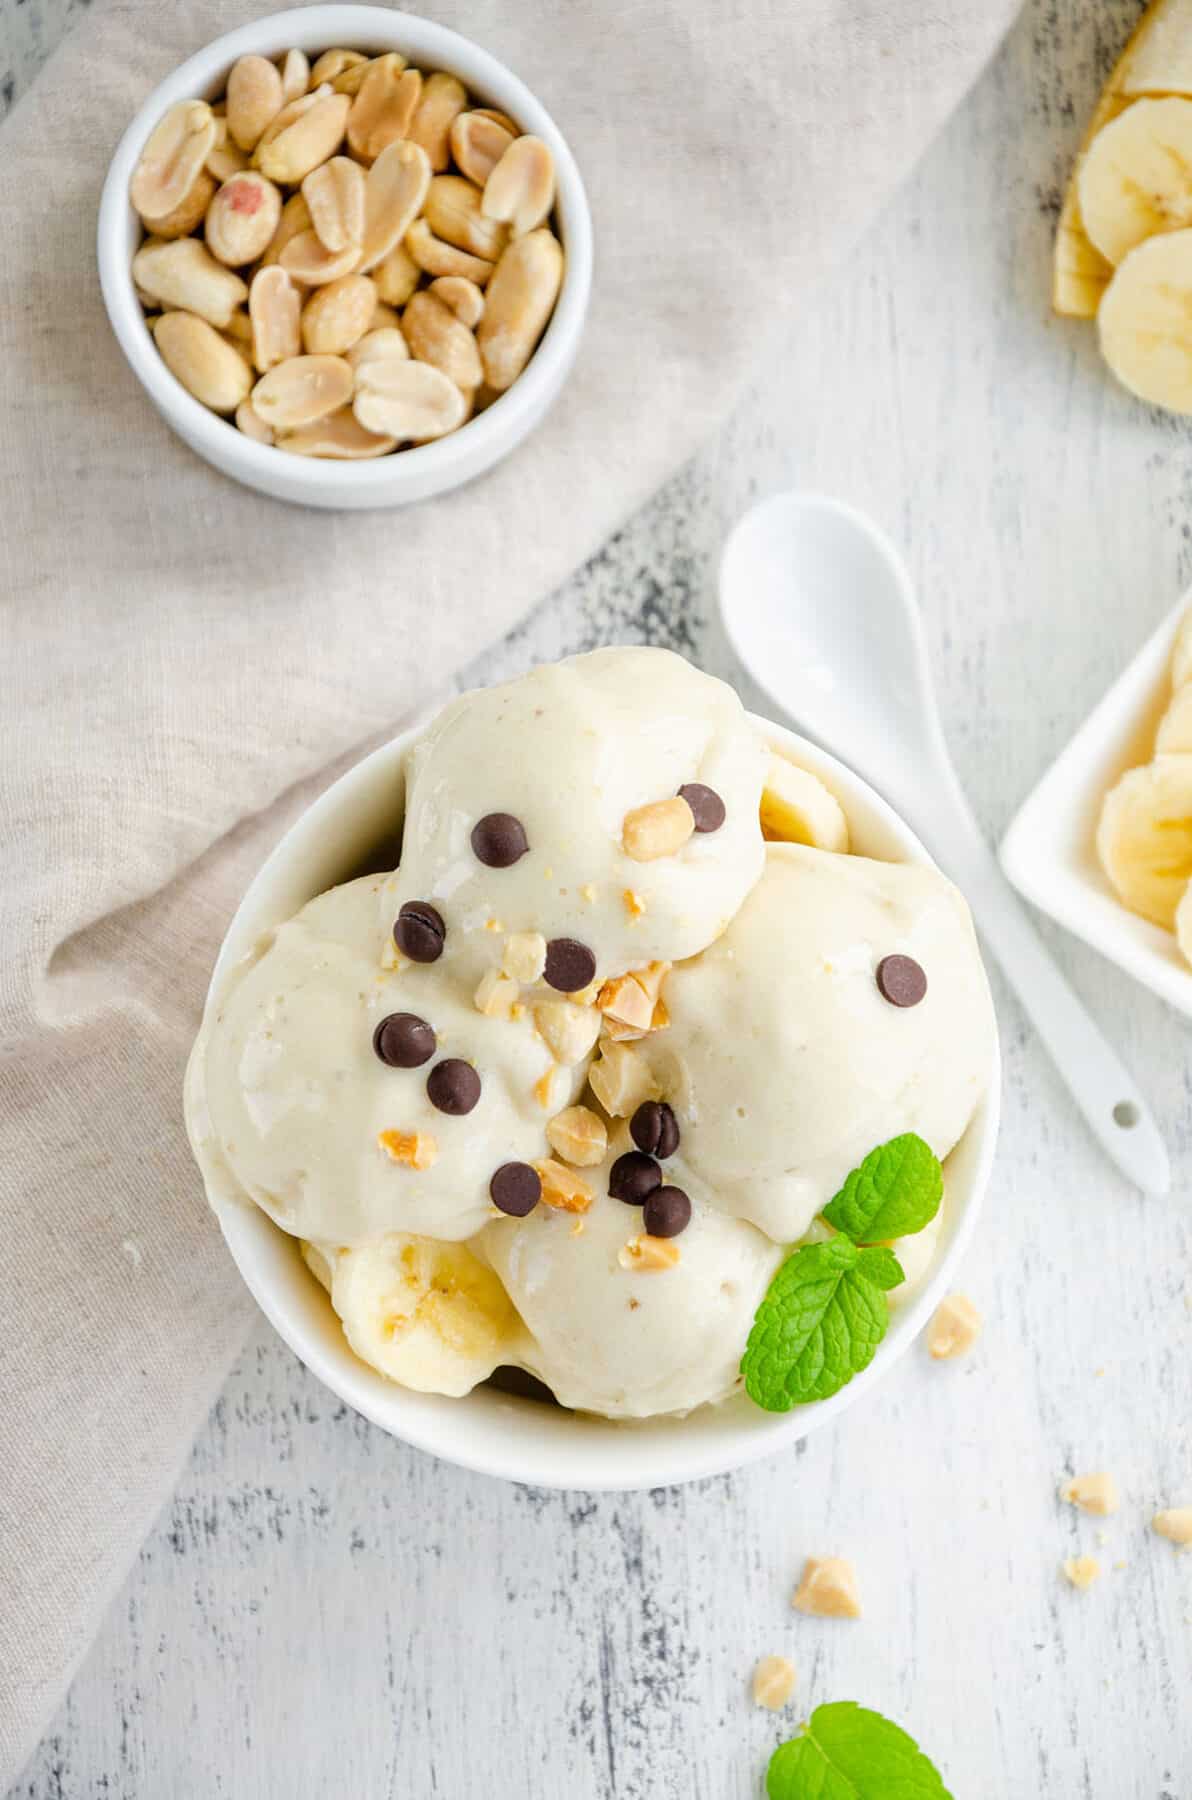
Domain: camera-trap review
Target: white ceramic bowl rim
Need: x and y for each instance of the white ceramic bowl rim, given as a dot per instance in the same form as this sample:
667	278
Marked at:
319	28
493	1432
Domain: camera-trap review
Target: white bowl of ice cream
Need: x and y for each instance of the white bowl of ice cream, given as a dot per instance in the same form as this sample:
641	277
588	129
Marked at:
775	1044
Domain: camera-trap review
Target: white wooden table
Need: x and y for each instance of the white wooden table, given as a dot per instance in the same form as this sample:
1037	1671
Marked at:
323	1612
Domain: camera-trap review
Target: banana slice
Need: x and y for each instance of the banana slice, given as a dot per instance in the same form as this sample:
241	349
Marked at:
798	809
1136	179
426	1314
1174	735
318	1262
1157	60
1183	923
1144	838
1145	321
1181	655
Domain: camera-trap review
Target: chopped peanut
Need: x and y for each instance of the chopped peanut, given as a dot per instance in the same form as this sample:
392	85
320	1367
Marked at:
621	1079
659	829
1092	1493
633	999
828	1589
954	1328
773	1682
543	1086
562	1188
579	1136
1175	1524
524	957
569	1031
416	1149
635	906
1082	1571
496	995
648	1254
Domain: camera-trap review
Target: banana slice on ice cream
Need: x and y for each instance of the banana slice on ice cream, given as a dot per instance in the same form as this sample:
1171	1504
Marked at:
1144	839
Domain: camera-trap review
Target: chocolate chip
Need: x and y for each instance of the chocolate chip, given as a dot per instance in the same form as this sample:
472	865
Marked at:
655	1129
453	1086
498	839
515	1189
901	981
419	931
667	1212
633	1177
707	808
570	965
404	1041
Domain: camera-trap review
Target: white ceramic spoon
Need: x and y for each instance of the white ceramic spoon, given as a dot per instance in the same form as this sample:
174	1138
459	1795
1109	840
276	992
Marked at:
819	606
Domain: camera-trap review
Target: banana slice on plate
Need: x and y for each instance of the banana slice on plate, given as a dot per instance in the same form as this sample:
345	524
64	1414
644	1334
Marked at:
427	1314
1144	838
1174	736
798	809
1136	178
1183	923
1145	321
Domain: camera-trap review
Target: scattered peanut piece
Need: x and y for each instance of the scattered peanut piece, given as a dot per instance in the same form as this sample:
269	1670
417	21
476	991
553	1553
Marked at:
649	1255
579	1136
659	829
1082	1571
562	1188
773	1682
621	1079
1175	1524
635	906
1092	1493
543	1087
633	999
524	956
954	1328
416	1149
568	1031
828	1589
496	994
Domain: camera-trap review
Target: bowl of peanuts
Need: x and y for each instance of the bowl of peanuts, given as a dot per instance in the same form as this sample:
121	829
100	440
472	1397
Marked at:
348	255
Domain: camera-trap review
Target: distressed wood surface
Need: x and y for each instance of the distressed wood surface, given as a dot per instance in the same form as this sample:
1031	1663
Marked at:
322	1611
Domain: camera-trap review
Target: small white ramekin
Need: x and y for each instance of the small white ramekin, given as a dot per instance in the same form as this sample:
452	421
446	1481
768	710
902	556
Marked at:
1050	849
491	1431
408	474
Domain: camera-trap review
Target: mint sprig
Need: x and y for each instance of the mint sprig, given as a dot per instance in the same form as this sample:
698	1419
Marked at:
896	1191
821	1321
847	1752
824	1313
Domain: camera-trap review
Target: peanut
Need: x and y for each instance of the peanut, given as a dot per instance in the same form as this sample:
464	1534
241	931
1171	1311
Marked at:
383	108
773	1682
376	345
1092	1493
417	1149
334	194
308	141
254	99
524	956
954	1328
242	219
517	304
340	436
562	1188
578	1135
333	63
295	219
478	142
187	214
384	318
225	158
338	315
396	276
659	829
295	75
453	212
621	1080
496	996
442	99
301	390
436	336
351	77
521	189
1081	1571
435	257
828	1589
252	425
184	274
461	297
568	1031
208	366
407	400
172	160
289	114
238	329
649	1255
308	260
394	194
275	308
1175	1524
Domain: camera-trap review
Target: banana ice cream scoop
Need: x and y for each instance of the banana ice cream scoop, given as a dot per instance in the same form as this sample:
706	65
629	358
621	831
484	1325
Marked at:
609	803
846	1003
350	1100
613	1330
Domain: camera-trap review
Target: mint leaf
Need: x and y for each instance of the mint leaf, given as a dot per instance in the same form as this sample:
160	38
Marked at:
823	1317
896	1191
846	1752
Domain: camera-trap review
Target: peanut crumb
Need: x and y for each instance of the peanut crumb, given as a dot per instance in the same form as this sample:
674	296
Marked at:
496	995
493	925
649	1254
1082	1571
635	906
954	1329
1175	1524
588	892
415	1149
562	1188
773	1682
828	1589
634	1302
542	1088
1092	1493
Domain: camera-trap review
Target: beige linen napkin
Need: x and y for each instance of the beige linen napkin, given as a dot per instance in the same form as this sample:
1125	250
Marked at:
177	652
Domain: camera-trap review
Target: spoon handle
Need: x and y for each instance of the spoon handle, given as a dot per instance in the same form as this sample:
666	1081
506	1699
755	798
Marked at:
1099	1083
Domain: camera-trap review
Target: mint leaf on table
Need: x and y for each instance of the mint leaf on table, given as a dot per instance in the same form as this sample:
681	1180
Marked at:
823	1317
846	1752
896	1191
